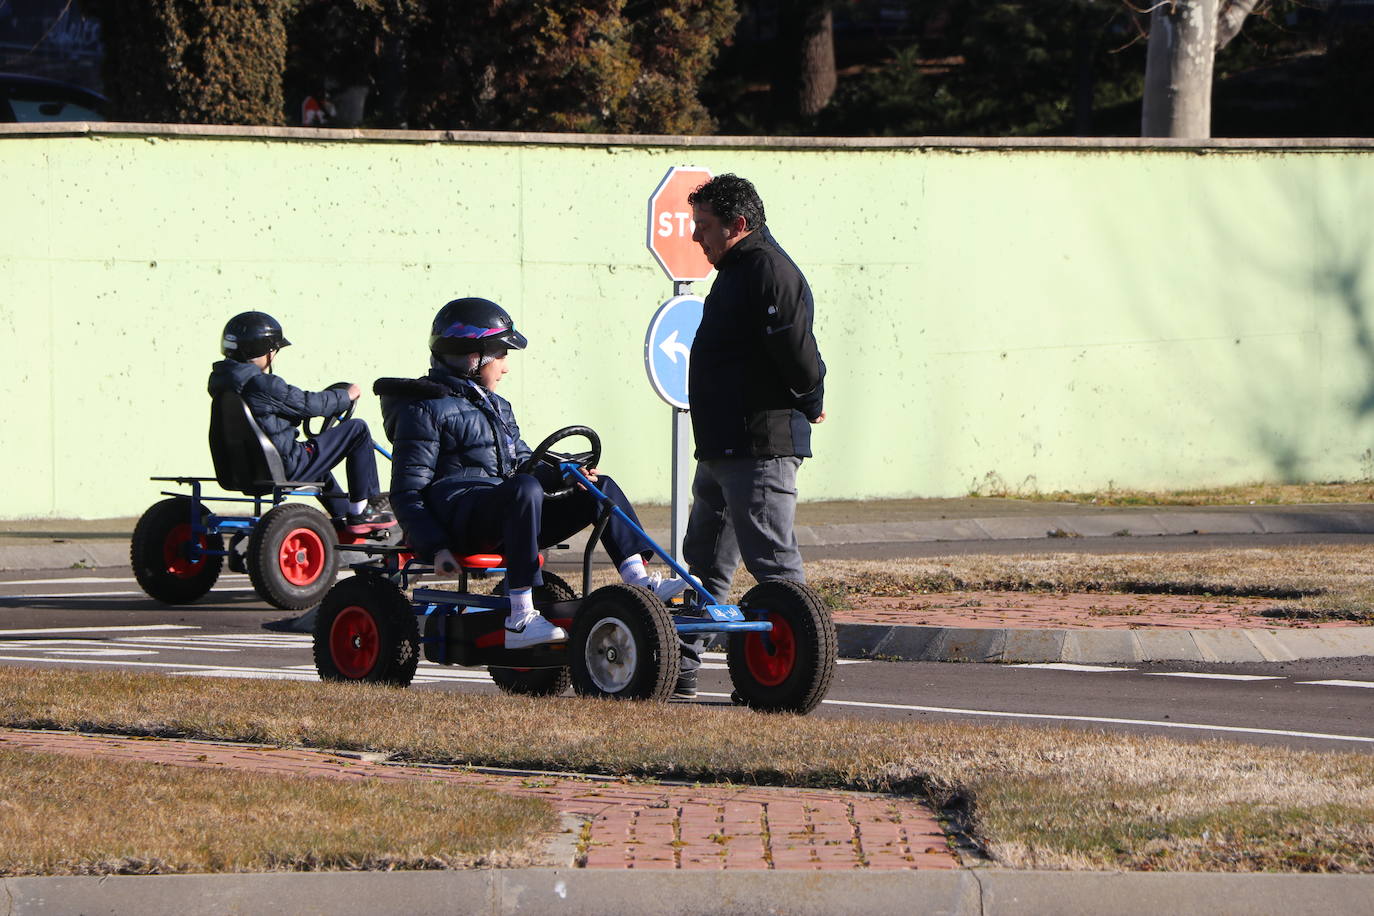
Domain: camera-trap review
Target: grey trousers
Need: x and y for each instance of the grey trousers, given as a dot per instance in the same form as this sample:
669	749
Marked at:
743	507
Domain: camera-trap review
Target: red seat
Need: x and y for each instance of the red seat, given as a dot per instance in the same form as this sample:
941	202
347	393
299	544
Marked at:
487	561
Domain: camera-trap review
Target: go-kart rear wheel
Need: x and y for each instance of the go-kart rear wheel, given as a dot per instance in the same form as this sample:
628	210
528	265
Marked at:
157	553
291	556
790	668
365	631
624	645
538	682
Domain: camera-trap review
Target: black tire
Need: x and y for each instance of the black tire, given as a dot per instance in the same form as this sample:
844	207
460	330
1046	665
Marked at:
156	553
538	682
291	556
365	631
624	646
789	670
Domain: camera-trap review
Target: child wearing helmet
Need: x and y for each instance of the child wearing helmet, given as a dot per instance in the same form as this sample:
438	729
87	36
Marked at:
250	343
456	447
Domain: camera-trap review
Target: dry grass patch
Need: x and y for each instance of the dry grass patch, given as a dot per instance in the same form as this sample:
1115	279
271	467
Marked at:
1253	494
1330	582
68	815
1041	798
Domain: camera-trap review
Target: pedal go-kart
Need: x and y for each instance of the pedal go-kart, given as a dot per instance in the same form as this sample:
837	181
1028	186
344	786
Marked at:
287	548
623	644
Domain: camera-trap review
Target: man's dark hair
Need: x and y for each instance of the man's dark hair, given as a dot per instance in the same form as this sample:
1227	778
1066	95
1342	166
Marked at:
730	196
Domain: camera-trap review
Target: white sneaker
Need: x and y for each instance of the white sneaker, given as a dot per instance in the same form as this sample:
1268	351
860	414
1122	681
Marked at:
666	590
535	631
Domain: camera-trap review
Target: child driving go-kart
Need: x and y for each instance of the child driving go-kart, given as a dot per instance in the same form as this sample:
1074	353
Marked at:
250	344
457	482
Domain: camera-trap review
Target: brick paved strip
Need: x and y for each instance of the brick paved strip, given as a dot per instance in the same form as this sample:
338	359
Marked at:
632	825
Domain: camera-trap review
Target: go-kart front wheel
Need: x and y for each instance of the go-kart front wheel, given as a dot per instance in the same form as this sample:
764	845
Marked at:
790	668
159	557
537	682
291	556
365	631
624	645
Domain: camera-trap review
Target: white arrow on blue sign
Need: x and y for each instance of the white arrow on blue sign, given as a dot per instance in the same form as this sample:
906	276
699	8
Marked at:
668	347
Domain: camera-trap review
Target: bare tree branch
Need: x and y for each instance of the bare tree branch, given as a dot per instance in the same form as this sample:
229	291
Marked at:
1231	17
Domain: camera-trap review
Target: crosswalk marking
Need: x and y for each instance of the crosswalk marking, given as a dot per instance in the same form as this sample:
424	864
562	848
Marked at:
1217	677
1339	683
1066	666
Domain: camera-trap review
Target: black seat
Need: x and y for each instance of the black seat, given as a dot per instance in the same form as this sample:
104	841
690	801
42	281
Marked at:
245	459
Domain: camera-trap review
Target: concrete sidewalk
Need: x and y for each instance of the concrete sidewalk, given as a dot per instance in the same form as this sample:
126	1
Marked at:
1054	635
657	848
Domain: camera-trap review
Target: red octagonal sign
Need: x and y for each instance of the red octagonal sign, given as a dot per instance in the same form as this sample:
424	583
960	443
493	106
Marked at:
670	225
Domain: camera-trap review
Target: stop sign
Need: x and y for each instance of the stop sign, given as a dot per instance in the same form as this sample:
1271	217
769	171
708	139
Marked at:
670	225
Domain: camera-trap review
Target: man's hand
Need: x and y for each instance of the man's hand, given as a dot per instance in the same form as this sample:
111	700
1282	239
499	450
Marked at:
820	419
354	392
446	564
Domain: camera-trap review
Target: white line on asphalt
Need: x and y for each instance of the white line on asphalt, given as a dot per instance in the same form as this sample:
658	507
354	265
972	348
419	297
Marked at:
1218	677
1065	666
1340	683
103	580
150	626
272	674
1106	720
31	659
48	596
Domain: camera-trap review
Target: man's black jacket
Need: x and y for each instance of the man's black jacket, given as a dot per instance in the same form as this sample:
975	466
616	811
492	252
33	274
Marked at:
756	374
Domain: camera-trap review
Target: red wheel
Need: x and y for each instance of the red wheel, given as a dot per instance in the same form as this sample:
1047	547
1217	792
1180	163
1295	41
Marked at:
302	556
772	656
789	669
174	553
365	631
157	553
353	642
291	557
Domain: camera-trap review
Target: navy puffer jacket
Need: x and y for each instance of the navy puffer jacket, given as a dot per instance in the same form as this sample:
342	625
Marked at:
448	435
278	407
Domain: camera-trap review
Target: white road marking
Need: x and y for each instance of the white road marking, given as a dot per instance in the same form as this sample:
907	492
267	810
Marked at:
31	659
102	580
145	627
1104	720
1339	683
94	652
48	596
1218	677
1066	666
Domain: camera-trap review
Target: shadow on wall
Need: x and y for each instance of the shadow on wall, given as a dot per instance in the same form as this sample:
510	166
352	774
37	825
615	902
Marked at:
1282	317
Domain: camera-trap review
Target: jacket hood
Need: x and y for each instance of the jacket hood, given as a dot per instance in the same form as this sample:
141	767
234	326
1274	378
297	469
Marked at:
230	375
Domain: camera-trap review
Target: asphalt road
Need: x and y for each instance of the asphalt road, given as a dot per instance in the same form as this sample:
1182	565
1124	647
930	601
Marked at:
99	619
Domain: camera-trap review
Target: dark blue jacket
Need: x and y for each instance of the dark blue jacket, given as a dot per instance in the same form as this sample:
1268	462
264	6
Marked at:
448	435
756	376
278	407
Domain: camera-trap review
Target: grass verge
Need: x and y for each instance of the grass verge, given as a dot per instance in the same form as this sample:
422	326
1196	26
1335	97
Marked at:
68	815
1253	494
1035	798
1321	583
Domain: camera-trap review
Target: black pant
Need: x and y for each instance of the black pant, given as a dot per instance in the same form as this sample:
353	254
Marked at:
350	442
515	520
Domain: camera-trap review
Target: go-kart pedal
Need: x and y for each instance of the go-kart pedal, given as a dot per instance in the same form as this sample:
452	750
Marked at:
535	631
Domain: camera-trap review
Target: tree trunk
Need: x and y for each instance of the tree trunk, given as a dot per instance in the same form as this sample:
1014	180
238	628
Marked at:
804	62
1178	70
817	62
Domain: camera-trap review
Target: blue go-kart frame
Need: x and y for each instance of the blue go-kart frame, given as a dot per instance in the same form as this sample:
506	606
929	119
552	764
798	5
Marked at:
624	643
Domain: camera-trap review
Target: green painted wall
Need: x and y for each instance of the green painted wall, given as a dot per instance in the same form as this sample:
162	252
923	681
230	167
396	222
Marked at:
1052	317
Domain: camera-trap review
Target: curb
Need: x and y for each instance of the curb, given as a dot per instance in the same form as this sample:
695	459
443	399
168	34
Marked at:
1340	519
669	893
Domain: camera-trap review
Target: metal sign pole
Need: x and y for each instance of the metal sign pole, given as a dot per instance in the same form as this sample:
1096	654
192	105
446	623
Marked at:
682	482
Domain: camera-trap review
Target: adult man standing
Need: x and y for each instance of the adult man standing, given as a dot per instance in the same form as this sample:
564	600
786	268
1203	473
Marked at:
755	388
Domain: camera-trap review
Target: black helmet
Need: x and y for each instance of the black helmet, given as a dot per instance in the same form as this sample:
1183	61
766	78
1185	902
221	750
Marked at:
473	325
252	334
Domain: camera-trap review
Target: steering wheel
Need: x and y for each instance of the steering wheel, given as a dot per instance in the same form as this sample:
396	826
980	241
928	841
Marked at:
331	421
544	455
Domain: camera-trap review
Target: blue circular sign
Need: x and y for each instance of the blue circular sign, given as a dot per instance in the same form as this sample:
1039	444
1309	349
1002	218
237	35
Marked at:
668	347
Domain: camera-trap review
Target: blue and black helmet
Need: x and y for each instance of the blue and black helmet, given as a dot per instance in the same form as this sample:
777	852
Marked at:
473	325
249	335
